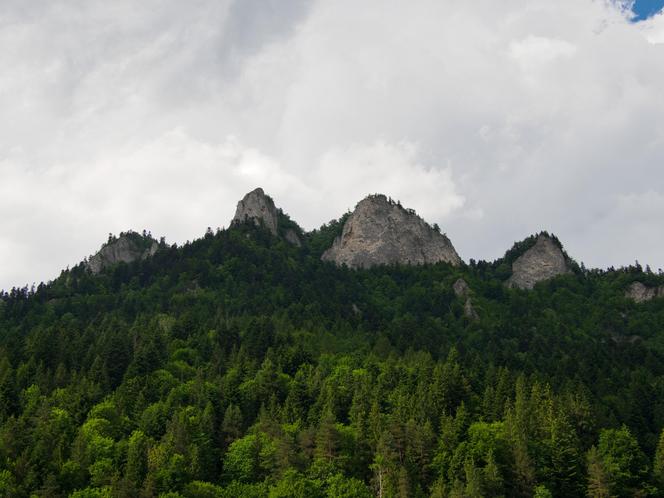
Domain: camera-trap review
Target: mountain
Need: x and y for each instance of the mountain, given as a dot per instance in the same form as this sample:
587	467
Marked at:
542	261
239	364
259	208
382	232
127	248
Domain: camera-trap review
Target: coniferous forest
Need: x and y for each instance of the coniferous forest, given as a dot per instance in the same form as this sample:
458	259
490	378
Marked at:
241	365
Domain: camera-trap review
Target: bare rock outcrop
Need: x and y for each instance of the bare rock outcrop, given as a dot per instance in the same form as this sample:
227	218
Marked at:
126	248
260	208
542	261
292	237
461	288
382	232
469	310
640	293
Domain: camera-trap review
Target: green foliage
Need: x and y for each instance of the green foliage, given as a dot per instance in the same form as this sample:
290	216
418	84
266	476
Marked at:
294	485
240	365
250	458
623	461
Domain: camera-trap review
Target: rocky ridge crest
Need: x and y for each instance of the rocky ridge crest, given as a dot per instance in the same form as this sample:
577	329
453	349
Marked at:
382	232
260	208
544	260
127	248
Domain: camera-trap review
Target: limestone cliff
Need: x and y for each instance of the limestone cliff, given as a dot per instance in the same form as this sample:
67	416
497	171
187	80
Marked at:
126	248
640	293
260	208
544	260
381	232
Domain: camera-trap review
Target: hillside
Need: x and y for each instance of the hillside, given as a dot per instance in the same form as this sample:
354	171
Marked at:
241	364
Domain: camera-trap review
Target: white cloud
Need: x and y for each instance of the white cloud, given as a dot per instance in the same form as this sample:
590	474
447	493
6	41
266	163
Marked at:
493	119
349	174
654	28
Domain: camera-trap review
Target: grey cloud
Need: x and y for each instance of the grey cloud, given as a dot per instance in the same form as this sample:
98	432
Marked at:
493	119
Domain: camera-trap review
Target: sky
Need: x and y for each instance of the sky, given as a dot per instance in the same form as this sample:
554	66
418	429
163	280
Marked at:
647	8
493	119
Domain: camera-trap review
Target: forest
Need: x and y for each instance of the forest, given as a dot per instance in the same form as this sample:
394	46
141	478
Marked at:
239	365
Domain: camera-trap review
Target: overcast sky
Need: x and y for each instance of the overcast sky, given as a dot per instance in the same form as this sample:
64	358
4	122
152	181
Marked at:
493	119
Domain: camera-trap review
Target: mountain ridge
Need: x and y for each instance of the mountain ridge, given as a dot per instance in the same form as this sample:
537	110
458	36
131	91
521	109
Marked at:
239	364
390	241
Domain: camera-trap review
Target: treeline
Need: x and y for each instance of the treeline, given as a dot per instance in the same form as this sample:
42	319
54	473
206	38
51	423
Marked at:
240	365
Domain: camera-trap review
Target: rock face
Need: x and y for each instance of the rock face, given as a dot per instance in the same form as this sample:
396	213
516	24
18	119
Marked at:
127	248
258	207
543	261
640	293
292	237
469	311
381	232
460	288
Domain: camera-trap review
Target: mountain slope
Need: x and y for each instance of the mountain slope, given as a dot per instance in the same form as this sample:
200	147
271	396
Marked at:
242	365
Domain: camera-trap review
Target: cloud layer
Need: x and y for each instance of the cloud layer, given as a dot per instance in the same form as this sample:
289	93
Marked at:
493	119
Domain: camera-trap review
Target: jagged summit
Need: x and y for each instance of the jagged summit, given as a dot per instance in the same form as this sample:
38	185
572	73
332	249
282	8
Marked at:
545	259
260	208
381	232
128	247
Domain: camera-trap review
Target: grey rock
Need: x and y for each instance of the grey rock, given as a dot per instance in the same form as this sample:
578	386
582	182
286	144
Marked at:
460	288
258	207
380	232
543	261
625	339
640	293
469	310
292	237
127	248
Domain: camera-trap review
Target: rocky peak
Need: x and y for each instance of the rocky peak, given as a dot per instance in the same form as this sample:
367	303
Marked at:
127	248
381	232
544	260
640	293
260	208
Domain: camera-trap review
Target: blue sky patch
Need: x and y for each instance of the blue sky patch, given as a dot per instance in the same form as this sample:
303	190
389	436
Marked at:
646	8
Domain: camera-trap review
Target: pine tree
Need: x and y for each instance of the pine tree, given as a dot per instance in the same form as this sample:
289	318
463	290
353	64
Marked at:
231	427
658	463
598	480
